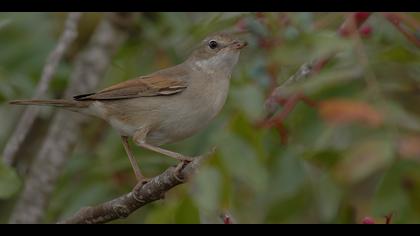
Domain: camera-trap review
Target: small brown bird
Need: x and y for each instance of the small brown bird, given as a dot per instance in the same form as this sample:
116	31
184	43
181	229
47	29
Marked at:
166	106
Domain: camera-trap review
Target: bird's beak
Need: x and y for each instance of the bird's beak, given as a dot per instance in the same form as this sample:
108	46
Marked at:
239	44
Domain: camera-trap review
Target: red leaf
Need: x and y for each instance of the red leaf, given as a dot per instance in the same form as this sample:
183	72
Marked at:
346	111
409	147
352	23
361	17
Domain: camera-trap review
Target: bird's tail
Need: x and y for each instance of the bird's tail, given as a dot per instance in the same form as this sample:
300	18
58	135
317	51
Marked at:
54	102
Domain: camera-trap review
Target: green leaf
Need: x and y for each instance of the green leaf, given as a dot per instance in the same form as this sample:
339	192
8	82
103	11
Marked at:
289	210
288	177
207	189
365	158
328	197
241	160
390	196
162	215
324	157
9	181
399	53
187	213
397	115
250	100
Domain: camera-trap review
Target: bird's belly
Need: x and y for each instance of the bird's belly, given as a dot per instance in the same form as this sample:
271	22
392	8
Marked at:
168	124
180	127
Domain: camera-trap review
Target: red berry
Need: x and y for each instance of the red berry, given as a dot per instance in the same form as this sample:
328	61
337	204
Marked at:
361	17
227	220
366	30
368	221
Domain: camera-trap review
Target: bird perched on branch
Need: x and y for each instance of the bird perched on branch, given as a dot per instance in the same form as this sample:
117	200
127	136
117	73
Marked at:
166	106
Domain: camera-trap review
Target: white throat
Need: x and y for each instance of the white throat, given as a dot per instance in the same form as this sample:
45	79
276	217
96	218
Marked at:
219	64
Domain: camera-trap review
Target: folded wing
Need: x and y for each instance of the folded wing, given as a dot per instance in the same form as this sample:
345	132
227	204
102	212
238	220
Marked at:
147	86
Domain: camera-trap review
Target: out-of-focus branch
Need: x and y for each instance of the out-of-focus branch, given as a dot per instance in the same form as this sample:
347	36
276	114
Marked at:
352	23
281	102
281	97
278	97
401	22
304	71
90	66
141	195
29	115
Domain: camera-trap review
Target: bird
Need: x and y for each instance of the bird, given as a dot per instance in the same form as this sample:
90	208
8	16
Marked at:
166	106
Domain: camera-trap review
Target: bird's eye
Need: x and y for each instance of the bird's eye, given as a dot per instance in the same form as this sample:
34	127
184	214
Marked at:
213	44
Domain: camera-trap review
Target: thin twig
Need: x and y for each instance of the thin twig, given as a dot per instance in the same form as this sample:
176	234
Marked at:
123	206
301	74
401	23
31	112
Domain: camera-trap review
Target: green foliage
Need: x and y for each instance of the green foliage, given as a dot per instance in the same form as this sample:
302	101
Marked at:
9	182
334	168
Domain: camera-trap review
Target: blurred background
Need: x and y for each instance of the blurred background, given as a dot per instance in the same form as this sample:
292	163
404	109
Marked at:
353	153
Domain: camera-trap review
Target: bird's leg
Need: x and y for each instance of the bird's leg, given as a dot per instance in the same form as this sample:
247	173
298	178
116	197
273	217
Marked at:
165	152
139	176
139	138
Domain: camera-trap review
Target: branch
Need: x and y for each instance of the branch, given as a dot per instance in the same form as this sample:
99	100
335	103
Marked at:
352	23
281	97
271	103
31	112
124	205
90	66
401	23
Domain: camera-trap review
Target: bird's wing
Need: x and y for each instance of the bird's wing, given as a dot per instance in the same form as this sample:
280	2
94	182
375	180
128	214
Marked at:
147	86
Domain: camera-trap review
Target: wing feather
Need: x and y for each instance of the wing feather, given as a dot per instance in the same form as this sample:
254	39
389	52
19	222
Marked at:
147	86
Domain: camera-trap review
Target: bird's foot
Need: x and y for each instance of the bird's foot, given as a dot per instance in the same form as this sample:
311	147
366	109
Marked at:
185	159
141	182
177	173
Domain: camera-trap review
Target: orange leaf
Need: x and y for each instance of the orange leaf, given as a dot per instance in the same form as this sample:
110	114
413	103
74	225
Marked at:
409	147
347	111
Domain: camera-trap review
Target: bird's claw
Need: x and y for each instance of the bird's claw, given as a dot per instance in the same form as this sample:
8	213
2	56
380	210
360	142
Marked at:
140	183
179	167
185	159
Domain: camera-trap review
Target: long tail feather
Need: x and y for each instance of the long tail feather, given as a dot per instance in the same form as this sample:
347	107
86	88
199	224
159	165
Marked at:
55	102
